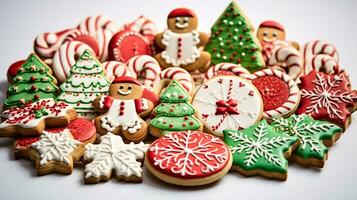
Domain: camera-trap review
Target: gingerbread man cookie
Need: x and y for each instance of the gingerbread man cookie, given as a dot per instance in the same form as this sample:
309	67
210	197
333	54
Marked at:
181	42
123	106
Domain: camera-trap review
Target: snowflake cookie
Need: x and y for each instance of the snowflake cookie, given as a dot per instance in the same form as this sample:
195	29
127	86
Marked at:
260	150
112	154
327	97
188	158
228	103
314	136
55	152
31	119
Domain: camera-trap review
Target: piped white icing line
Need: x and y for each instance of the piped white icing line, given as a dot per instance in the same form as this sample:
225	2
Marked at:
56	147
181	75
113	154
115	69
236	69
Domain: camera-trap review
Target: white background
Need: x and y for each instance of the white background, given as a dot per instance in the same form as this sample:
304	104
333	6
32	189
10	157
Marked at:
305	20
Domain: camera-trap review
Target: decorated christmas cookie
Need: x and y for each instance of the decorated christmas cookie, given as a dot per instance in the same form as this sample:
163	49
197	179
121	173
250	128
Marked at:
32	83
112	155
228	103
81	130
85	84
327	97
175	112
188	158
181	42
128	43
55	152
144	26
32	118
281	95
180	75
314	136
13	69
260	150
232	40
115	69
146	68
322	63
122	108
222	69
79	36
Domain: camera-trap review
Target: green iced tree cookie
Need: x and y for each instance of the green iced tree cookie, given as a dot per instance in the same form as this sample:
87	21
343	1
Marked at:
174	113
84	85
32	83
312	135
260	150
233	40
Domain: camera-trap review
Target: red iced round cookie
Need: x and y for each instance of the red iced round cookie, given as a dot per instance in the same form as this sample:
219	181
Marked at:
81	130
188	158
280	93
127	44
12	71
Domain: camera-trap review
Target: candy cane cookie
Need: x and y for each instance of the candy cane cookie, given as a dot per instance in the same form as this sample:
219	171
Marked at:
77	35
101	28
280	93
46	44
144	26
179	74
145	67
287	58
66	57
226	69
115	69
322	63
310	49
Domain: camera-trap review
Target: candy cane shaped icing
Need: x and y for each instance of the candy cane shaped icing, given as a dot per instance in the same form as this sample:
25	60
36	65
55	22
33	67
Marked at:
77	35
280	93
181	75
322	62
144	25
65	58
310	49
115	69
286	57
226	69
101	28
146	67
46	44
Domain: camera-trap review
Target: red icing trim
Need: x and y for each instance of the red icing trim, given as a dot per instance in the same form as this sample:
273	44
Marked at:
108	100
151	96
13	68
138	105
197	144
181	12
126	79
272	24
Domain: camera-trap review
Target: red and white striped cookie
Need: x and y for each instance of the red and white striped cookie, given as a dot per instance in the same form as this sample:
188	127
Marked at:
66	57
101	28
115	69
280	93
77	35
226	69
286	57
313	48
181	75
145	67
322	63
46	44
143	25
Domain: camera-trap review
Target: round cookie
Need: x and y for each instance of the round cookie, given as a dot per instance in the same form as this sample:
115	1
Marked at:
188	158
228	103
81	130
226	69
280	93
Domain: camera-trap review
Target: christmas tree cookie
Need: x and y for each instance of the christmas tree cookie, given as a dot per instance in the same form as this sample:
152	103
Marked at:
233	40
32	83
260	150
174	113
314	136
85	84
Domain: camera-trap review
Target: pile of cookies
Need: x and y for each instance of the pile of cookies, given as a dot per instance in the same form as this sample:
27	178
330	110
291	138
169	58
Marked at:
189	105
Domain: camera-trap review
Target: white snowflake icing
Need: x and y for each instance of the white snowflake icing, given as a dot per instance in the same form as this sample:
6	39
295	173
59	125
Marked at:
304	131
113	154
326	96
258	146
185	151
56	146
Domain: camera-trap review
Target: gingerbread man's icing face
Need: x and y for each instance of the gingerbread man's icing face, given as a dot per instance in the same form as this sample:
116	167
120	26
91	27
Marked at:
125	91
269	35
182	20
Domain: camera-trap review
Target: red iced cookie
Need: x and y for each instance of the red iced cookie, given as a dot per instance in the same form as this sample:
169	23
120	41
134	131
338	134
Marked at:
81	130
127	44
327	97
12	71
280	93
188	158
